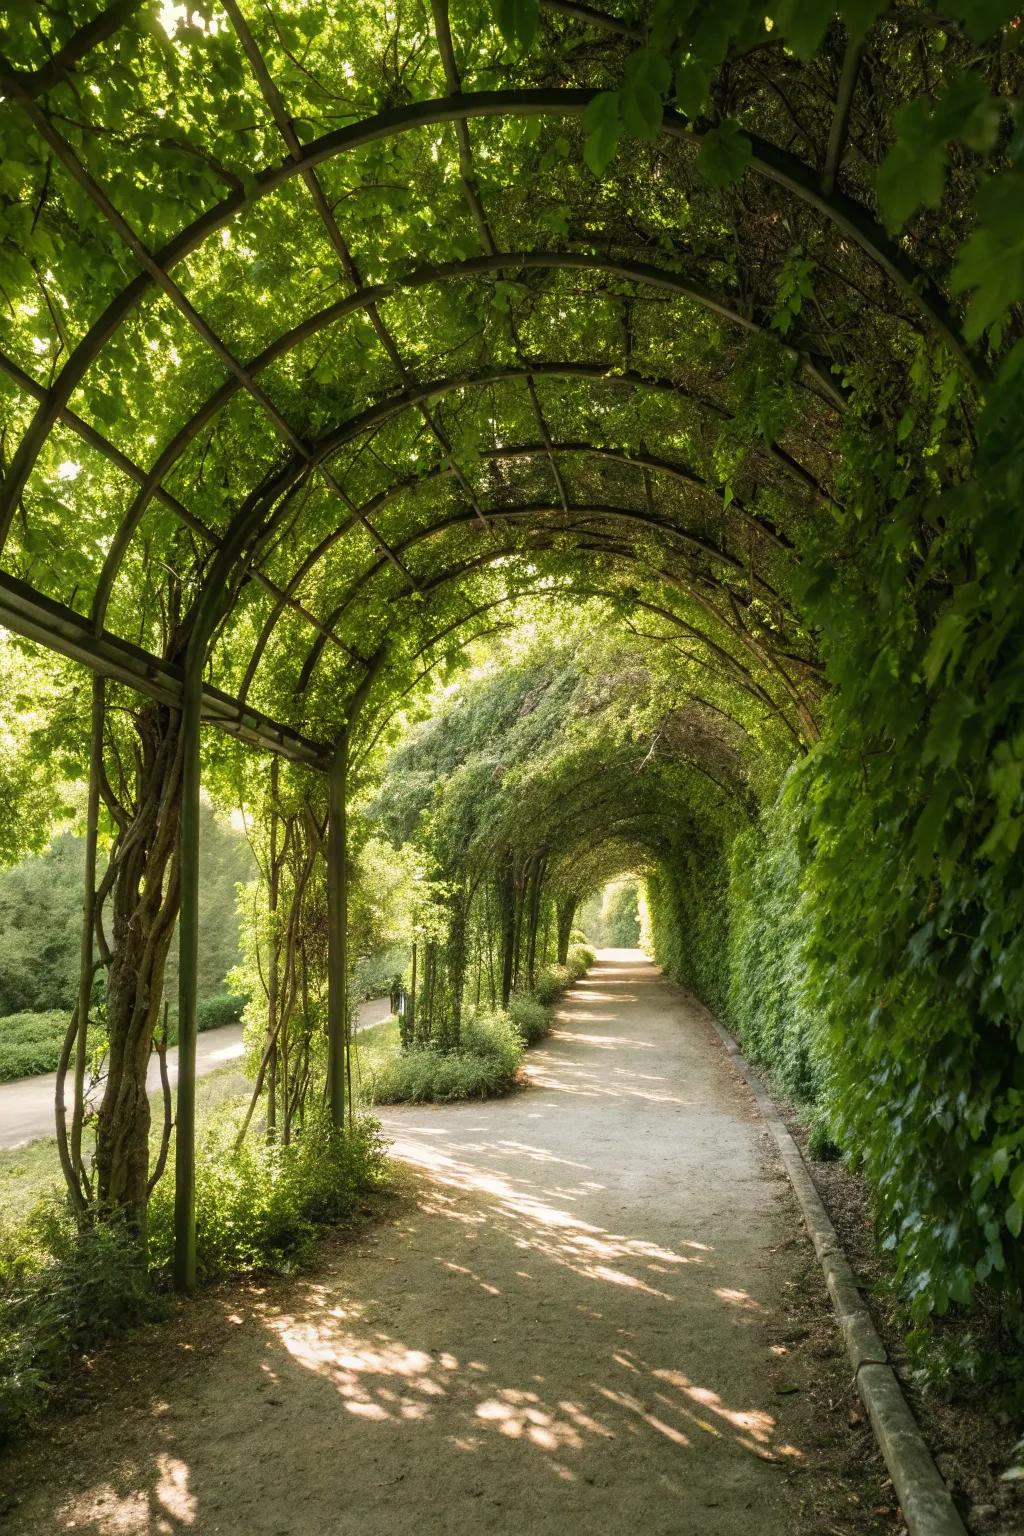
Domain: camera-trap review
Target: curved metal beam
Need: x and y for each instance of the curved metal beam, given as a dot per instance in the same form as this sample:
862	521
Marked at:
745	679
642	273
443	471
780	167
465	516
34	81
256	520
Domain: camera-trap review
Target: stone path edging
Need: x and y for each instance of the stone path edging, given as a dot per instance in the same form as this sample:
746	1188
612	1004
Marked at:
924	1498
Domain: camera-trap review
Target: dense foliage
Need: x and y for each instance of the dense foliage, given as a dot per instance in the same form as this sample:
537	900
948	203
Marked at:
697	329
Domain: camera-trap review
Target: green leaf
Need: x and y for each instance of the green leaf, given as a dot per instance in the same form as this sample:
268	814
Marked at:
724	155
802	23
647	79
913	173
603	127
946	644
1014	1218
517	21
693	82
991	262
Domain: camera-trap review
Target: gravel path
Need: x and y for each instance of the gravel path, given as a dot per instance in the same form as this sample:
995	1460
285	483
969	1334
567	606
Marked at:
596	1311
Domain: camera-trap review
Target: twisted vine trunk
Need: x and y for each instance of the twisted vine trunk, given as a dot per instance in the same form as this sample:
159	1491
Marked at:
144	907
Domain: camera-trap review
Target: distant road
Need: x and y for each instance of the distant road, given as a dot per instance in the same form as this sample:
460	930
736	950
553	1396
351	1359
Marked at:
26	1106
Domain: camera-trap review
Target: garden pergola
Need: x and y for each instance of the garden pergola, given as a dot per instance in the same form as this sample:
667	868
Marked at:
495	363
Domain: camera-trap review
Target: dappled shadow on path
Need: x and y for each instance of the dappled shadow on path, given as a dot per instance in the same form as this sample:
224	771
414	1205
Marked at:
571	1323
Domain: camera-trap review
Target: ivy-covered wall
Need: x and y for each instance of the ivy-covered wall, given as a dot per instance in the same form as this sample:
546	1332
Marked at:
891	1061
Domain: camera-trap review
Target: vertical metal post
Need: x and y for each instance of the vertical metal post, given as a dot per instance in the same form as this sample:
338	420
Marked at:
188	963
337	932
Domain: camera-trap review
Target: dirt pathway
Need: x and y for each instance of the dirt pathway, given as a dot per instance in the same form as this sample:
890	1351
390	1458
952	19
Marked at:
598	1312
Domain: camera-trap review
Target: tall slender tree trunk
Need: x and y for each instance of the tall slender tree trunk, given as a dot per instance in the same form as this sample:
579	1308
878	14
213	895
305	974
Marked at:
538	865
566	915
505	887
273	953
407	1028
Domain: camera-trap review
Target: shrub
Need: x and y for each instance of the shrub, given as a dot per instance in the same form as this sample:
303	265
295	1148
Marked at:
372	975
485	1063
258	1207
581	958
77	1289
530	1017
220	1009
30	1043
552	982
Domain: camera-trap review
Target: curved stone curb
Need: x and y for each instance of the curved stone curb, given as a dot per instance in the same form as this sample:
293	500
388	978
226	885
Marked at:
924	1498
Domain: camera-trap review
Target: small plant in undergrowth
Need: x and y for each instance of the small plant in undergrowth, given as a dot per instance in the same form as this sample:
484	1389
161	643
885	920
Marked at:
551	983
258	1206
581	958
944	1364
484	1064
63	1290
219	1009
530	1017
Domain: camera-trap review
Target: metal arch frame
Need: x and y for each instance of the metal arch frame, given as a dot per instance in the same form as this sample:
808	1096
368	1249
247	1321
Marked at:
461	518
385	410
217	594
257	517
606	548
508	451
555	594
783	169
643	273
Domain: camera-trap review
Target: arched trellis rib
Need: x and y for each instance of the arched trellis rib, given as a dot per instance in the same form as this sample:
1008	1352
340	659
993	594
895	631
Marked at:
58	628
183	304
135	472
254	523
462	518
79	44
604	511
285	126
553	594
507	451
458	572
777	165
643	273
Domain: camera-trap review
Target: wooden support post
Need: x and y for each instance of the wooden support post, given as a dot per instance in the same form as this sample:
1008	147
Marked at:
337	934
188	964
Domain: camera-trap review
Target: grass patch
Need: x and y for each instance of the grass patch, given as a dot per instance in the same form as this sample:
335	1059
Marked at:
30	1043
32	1173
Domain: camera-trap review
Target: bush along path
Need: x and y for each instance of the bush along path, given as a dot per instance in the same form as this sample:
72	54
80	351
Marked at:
487	1056
593	1304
